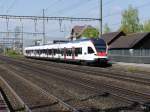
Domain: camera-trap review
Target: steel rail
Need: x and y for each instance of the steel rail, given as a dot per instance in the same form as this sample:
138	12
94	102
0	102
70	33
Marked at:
102	72
27	109
65	105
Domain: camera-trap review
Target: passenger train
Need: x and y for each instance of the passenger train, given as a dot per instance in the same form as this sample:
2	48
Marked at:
84	51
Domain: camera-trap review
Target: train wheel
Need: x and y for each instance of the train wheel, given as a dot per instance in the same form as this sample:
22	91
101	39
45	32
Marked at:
84	63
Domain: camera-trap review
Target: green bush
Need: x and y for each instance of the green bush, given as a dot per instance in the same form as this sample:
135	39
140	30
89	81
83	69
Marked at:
12	53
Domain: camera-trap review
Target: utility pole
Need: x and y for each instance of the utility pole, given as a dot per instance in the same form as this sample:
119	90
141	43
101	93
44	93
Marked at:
101	18
7	34
44	27
22	37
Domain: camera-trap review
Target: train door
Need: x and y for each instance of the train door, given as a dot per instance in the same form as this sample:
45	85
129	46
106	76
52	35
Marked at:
52	53
84	53
59	53
73	53
90	54
65	53
39	53
47	52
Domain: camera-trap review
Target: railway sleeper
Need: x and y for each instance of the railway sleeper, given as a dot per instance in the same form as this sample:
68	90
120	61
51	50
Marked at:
105	94
119	109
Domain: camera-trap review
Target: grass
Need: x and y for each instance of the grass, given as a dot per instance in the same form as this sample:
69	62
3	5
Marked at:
1	62
13	54
133	69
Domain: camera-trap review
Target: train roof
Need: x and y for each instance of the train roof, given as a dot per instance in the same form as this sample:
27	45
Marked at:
96	41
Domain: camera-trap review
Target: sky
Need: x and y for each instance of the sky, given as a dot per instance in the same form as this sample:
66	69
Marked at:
112	10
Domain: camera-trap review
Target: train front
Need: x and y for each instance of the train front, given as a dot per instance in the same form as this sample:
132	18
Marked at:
101	51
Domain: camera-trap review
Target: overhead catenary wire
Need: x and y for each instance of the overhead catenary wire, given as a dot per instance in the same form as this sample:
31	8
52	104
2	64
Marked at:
2	5
51	5
108	2
47	18
95	7
119	23
11	6
144	5
120	12
69	8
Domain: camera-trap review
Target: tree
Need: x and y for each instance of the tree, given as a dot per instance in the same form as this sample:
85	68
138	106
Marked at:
90	33
130	21
146	26
106	28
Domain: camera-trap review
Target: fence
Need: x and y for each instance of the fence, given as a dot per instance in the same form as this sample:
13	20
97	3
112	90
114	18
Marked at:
130	55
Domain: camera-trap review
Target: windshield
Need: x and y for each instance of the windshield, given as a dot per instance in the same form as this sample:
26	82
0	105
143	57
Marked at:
99	42
100	48
100	45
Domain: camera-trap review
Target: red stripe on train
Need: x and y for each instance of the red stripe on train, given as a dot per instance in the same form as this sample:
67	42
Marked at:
101	54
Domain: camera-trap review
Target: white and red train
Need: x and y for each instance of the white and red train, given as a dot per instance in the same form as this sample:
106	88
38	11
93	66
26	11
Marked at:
83	51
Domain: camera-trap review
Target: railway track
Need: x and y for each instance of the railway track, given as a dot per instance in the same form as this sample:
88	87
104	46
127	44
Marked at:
29	106
83	85
125	76
22	107
140	95
3	105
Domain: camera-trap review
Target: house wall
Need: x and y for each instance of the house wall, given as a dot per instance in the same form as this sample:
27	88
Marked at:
129	59
130	55
139	53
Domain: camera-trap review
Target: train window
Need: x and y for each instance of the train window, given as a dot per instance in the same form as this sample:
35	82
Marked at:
100	48
34	52
41	51
38	52
62	52
27	51
90	50
78	51
69	52
54	51
44	51
99	44
50	51
73	51
58	51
